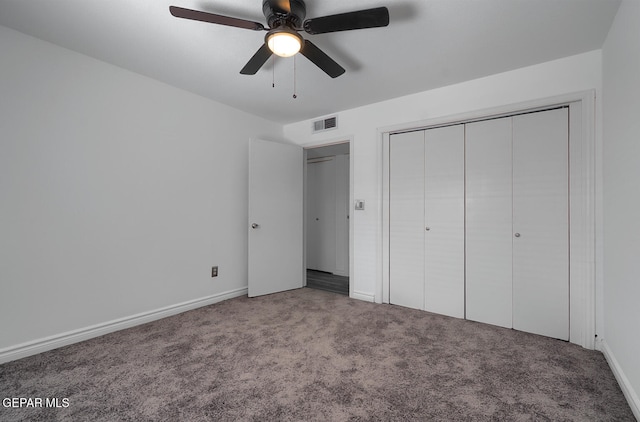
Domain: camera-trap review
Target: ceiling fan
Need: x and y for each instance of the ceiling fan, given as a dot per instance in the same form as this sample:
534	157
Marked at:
285	19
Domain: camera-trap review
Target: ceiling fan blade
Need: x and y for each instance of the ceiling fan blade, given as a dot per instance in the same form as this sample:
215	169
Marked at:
280	6
320	59
369	18
255	63
197	15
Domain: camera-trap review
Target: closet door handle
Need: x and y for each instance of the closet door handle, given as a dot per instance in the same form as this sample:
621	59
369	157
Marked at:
517	235
427	228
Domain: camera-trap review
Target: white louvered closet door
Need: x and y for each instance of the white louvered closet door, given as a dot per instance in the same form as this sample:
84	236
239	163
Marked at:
444	220
489	222
541	223
406	219
517	222
479	221
426	268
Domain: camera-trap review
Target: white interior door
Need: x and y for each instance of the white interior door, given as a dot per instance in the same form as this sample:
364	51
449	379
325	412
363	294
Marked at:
275	217
406	219
321	214
444	220
541	223
489	222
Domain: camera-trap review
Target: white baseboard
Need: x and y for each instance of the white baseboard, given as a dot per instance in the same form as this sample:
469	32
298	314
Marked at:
363	296
64	339
627	389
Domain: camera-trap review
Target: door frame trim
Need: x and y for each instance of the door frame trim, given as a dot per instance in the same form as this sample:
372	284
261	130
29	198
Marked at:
583	200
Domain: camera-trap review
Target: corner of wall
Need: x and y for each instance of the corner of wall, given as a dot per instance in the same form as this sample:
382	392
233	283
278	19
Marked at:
625	385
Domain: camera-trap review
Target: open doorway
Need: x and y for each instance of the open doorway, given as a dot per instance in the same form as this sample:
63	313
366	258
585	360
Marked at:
327	217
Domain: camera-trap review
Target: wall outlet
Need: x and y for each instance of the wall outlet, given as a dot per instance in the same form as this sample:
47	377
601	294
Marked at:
214	271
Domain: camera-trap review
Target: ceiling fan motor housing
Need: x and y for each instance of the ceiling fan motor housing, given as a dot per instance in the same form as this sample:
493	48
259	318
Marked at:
280	16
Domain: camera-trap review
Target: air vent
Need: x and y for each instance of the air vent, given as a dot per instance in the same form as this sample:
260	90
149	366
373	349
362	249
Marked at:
325	124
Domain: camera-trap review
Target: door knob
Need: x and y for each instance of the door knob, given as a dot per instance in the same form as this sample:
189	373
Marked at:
427	228
254	226
517	235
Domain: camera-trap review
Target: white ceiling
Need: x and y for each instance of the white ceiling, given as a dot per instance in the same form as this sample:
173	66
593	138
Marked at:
428	44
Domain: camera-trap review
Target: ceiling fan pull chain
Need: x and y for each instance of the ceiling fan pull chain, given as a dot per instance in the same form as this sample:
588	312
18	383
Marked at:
294	78
273	71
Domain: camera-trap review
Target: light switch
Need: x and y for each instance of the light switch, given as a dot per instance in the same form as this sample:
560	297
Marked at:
359	204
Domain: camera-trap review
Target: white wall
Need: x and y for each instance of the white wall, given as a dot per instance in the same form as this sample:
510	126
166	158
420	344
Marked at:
621	125
342	215
568	75
118	193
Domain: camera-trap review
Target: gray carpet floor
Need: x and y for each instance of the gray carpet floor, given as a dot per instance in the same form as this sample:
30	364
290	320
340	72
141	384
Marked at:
312	355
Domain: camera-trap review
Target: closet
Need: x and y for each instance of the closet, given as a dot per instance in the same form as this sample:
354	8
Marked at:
427	220
479	221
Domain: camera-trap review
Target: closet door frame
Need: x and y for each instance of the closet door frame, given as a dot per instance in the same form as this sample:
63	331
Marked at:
582	201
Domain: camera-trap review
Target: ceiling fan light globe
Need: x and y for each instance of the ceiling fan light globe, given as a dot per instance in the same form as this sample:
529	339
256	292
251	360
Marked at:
284	44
